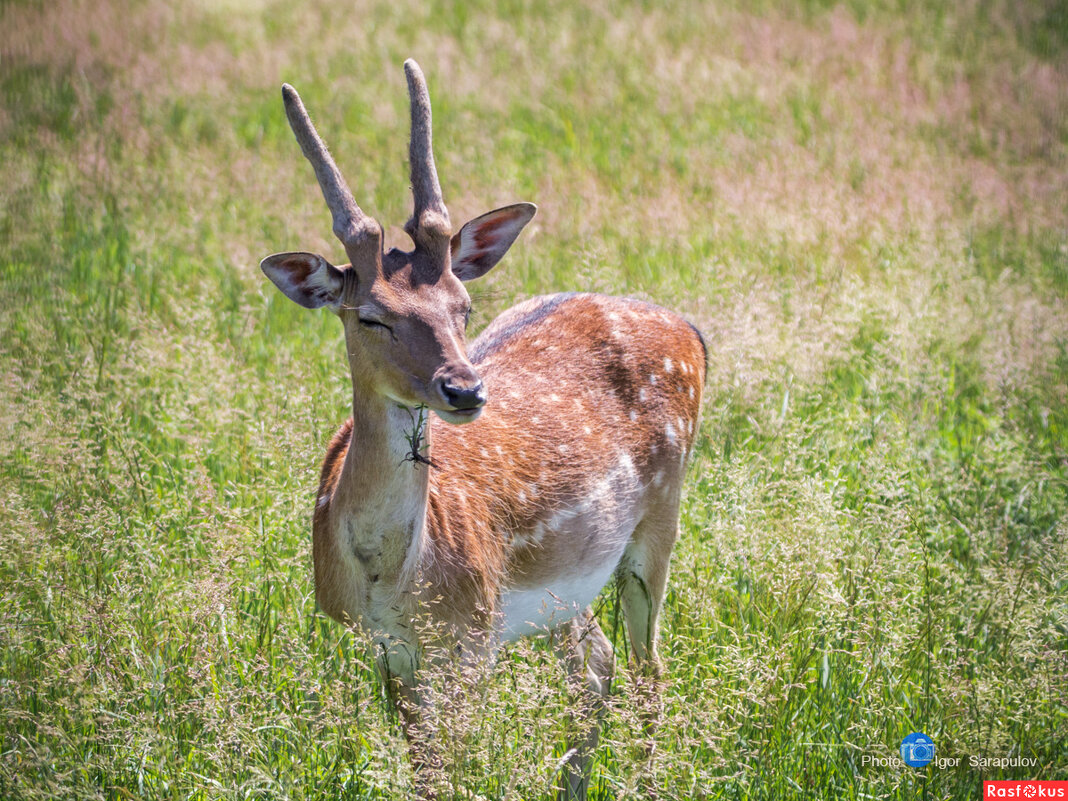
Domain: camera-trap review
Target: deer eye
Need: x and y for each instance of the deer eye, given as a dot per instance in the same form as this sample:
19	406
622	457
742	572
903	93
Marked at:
371	323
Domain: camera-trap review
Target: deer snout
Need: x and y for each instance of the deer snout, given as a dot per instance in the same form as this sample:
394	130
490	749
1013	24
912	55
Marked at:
463	395
461	389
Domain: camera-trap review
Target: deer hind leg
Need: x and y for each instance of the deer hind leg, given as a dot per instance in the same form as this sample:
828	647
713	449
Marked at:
590	662
642	578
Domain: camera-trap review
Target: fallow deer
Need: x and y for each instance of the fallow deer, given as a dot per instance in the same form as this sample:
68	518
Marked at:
578	414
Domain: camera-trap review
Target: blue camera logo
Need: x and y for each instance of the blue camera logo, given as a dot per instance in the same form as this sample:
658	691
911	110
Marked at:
918	750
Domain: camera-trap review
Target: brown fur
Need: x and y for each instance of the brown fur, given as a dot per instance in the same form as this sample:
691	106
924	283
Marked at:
568	368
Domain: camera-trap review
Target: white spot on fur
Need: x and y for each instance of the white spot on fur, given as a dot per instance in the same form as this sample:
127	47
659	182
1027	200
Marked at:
483	453
522	496
560	517
658	479
667	365
669	432
643	394
633	416
652	379
587	430
500	450
691	392
563	448
554	397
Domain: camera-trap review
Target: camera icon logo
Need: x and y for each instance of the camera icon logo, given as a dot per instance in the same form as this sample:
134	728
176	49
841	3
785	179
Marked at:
918	750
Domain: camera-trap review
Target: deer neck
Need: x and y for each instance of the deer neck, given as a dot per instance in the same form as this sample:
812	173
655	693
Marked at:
382	490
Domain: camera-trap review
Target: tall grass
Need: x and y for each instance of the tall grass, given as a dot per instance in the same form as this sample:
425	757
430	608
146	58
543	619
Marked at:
862	205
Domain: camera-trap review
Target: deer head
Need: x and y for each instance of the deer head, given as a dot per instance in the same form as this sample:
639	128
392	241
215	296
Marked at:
404	312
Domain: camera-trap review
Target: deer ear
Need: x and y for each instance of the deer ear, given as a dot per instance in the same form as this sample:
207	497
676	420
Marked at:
305	278
482	242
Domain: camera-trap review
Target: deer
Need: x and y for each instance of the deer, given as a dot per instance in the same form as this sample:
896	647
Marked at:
493	488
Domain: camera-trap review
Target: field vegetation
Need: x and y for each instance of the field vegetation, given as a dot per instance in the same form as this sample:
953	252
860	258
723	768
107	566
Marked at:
863	205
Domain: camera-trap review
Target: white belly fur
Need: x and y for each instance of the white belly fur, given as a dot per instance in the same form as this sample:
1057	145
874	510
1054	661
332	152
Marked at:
533	611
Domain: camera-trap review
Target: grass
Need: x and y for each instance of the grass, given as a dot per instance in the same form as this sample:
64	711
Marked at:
862	206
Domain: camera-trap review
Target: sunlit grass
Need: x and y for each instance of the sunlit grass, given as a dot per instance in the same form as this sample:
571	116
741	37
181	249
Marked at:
862	206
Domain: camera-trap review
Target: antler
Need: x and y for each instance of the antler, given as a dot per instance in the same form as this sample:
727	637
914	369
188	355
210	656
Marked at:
430	220
360	234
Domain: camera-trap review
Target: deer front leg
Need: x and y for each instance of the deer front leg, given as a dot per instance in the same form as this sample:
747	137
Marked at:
590	662
398	663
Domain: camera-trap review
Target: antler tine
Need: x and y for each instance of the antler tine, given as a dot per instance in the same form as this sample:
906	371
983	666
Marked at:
425	186
351	225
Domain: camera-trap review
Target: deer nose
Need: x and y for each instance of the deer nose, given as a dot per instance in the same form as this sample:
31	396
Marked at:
459	397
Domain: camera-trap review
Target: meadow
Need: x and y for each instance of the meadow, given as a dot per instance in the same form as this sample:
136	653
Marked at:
864	207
